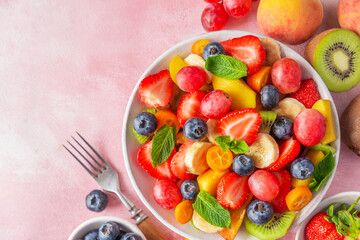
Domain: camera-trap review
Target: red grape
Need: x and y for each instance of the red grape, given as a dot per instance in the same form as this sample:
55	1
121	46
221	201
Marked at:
214	17
211	1
286	75
191	78
167	194
215	104
264	185
237	8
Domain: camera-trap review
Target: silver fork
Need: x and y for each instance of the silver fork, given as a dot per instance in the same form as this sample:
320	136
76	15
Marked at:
107	178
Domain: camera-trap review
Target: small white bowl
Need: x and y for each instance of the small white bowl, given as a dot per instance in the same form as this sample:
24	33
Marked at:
143	183
95	223
344	197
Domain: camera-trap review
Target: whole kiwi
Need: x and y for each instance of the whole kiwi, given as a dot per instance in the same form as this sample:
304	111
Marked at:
350	125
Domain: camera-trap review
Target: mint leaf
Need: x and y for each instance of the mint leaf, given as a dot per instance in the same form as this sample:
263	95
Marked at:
322	172
226	67
163	144
210	210
237	146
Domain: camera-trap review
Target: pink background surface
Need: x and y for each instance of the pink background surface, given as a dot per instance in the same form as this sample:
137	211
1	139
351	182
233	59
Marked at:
69	66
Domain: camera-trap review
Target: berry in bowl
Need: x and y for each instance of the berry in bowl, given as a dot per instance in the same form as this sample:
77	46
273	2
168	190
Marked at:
238	128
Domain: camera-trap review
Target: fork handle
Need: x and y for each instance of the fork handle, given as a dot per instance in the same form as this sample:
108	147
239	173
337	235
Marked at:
150	230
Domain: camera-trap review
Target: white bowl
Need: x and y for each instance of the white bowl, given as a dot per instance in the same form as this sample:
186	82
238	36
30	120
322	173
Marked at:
344	197
143	182
95	223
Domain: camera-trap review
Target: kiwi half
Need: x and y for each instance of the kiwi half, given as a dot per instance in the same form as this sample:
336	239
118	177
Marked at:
337	60
267	120
274	229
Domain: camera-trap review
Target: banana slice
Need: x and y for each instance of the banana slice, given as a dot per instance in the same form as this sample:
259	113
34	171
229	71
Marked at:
213	132
288	107
196	60
272	50
264	151
195	158
203	225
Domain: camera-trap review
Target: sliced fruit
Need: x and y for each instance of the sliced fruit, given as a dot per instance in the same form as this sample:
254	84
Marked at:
247	49
289	107
184	211
259	106
298	198
233	190
298	183
196	60
325	148
180	138
279	204
217	159
189	106
162	171
242	96
209	180
166	117
264	151
176	64
289	150
156	90
195	158
213	132
315	156
308	93
241	125
336	60
203	225
324	107
272	50
177	164
267	120
276	228
198	46
237	217
258	80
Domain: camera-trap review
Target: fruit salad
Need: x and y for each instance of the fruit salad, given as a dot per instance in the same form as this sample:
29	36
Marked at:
233	134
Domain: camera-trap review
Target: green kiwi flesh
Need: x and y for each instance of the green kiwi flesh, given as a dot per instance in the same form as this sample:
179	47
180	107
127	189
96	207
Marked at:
276	228
337	60
324	148
267	120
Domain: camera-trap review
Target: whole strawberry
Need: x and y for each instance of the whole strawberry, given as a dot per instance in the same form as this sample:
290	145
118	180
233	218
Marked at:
307	94
335	225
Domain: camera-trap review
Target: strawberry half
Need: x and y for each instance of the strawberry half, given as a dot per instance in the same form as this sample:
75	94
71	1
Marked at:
247	49
156	90
320	228
307	94
233	190
241	124
289	150
162	171
279	204
177	164
189	106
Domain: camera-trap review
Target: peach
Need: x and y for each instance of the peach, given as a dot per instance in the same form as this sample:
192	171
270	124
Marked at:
349	15
289	21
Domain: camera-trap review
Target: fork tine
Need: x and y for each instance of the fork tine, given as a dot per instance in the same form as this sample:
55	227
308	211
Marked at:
97	170
102	167
106	163
93	175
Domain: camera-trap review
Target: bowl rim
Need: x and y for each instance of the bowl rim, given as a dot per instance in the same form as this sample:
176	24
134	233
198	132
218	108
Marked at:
210	35
104	219
323	204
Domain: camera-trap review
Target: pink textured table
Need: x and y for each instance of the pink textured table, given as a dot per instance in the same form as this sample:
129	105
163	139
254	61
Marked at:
69	66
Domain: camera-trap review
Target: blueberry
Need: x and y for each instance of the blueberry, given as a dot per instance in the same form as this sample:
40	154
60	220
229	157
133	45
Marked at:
282	129
260	212
93	235
109	231
302	168
243	165
195	129
213	49
269	96
145	123
96	201
131	236
189	189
